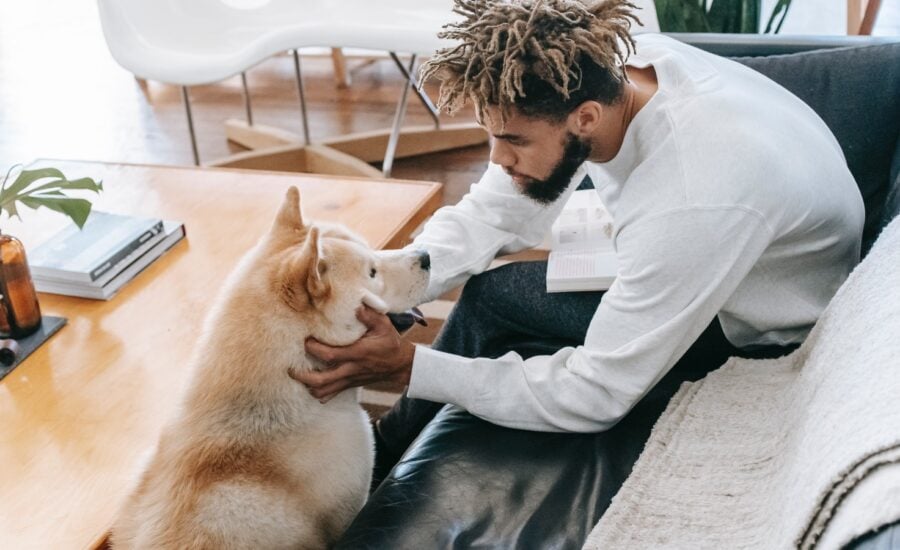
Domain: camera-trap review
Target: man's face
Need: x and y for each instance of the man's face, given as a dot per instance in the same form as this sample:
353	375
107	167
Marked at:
541	156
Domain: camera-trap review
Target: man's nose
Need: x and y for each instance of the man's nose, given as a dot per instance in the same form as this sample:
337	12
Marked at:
501	155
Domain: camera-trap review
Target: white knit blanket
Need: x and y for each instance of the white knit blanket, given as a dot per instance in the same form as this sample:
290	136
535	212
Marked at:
801	451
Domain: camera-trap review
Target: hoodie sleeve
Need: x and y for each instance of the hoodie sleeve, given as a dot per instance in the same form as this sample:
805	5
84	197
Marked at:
676	271
493	218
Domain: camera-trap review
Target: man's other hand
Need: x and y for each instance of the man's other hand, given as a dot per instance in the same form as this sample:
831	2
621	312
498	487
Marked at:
380	355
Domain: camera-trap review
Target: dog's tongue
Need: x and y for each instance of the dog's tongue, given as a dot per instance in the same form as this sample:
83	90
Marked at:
404	321
418	316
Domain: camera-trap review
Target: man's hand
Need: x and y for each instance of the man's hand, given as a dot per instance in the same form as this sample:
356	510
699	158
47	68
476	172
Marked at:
380	355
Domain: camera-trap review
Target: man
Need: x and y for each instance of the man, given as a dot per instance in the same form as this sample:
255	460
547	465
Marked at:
736	220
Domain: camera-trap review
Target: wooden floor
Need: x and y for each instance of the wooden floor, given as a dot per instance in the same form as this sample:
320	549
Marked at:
63	96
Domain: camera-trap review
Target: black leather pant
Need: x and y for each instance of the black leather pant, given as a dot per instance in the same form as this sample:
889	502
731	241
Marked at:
466	482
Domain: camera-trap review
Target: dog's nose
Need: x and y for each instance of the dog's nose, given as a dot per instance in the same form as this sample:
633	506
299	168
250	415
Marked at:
424	260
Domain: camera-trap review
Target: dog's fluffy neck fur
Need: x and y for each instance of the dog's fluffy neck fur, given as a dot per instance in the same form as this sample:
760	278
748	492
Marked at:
285	350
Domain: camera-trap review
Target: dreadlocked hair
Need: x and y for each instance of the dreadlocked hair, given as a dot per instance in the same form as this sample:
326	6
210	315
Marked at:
543	57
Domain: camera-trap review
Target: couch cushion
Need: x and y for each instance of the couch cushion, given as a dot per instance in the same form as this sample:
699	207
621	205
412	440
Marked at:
856	91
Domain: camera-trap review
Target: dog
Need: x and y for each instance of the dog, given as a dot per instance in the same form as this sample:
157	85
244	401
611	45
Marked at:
251	459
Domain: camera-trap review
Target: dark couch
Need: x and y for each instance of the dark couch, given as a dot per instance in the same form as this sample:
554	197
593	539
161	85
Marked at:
465	483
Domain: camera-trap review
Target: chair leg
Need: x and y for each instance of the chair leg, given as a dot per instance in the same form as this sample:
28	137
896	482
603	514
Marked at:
869	17
388	163
341	74
356	149
247	106
302	98
190	120
411	78
142	83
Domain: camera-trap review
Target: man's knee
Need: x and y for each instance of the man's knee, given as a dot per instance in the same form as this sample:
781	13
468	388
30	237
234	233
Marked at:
505	287
478	322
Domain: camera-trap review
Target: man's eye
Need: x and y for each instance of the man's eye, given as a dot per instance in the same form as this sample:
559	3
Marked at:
372	273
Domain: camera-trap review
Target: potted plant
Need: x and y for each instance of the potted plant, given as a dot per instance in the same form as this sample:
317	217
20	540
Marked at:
730	16
20	313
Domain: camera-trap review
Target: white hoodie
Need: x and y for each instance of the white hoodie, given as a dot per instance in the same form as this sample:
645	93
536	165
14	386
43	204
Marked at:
730	197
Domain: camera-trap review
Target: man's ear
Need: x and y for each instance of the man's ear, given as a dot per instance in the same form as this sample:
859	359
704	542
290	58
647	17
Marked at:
289	219
316	284
374	302
583	121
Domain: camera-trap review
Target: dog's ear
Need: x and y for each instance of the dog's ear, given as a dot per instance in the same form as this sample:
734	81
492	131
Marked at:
317	267
374	302
289	219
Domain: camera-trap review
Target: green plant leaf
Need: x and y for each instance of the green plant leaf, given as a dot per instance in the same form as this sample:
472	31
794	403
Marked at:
81	183
734	16
50	194
780	8
724	16
749	16
681	16
27	177
730	16
10	210
77	209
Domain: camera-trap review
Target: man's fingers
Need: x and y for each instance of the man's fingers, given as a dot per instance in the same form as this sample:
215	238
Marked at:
323	352
321	379
323	385
370	317
325	394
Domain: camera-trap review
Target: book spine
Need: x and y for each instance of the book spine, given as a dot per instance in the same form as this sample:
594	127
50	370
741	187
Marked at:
133	270
124	252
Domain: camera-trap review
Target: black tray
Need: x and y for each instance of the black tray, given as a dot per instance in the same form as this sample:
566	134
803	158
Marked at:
49	326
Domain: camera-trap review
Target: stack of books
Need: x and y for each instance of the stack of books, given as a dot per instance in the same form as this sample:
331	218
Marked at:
582	256
97	260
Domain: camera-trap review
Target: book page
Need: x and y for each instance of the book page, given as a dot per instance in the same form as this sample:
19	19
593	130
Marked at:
575	270
583	223
581	264
582	255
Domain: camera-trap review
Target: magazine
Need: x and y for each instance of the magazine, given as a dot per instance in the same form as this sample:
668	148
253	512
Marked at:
97	252
172	233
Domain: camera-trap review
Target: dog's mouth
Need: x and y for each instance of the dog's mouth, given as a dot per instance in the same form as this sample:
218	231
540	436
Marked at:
404	321
418	316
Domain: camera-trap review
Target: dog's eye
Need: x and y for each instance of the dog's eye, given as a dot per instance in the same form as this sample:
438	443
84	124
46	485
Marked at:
373	272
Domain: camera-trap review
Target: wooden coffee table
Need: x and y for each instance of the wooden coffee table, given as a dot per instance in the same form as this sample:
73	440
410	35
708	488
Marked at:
78	415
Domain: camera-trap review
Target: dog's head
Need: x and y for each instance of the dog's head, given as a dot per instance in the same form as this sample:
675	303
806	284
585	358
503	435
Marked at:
324	273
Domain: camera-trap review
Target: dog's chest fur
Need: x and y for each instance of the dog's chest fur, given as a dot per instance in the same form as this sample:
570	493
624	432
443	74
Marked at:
249	438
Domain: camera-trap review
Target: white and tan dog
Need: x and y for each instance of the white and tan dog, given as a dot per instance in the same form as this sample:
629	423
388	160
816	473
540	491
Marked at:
251	460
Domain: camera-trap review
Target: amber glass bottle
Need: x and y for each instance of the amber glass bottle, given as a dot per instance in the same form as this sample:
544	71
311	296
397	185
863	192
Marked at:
21	314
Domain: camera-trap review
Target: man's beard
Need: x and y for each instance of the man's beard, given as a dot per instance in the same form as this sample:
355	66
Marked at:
575	152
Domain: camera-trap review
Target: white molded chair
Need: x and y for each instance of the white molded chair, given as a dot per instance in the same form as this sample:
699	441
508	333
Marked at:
190	42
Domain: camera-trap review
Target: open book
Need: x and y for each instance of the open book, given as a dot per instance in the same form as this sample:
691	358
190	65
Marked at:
581	250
